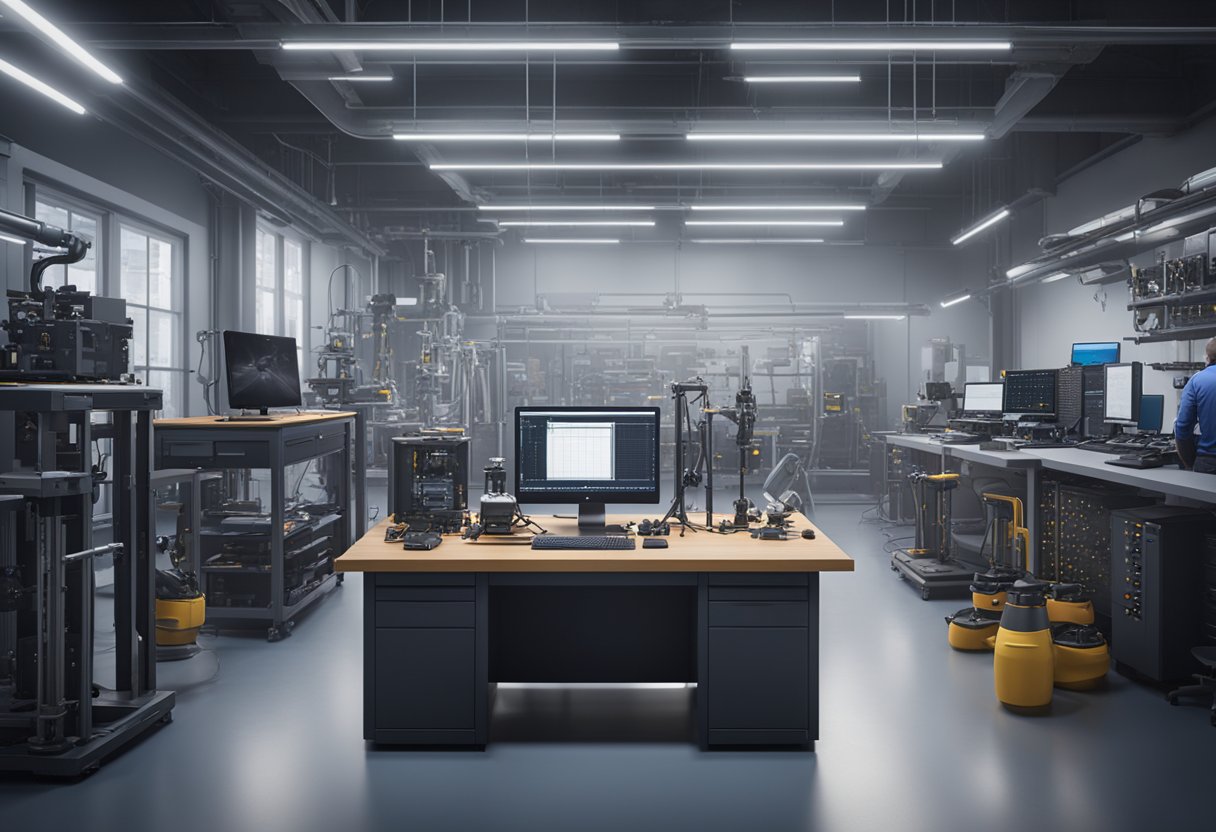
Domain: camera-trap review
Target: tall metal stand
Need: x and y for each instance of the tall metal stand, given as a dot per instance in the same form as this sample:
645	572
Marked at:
686	476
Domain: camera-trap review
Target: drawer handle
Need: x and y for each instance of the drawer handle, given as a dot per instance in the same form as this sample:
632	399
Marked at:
230	453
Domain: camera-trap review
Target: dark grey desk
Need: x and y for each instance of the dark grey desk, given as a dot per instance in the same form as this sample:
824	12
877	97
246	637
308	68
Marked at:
736	616
209	443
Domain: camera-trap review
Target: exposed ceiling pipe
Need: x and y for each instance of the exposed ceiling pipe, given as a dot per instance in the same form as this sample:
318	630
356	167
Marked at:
181	133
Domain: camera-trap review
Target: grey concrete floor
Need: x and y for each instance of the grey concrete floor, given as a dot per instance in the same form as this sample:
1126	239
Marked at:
912	739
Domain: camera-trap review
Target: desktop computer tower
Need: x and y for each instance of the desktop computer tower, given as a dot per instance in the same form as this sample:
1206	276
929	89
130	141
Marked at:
1093	403
1157	559
428	482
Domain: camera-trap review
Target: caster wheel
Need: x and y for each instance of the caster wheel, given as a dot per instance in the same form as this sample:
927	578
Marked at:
924	593
167	718
1171	698
275	634
341	579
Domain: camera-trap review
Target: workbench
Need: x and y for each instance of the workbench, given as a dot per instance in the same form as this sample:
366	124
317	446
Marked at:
213	443
739	617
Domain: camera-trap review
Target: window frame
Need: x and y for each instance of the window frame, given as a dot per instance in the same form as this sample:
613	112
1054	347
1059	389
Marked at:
109	264
281	237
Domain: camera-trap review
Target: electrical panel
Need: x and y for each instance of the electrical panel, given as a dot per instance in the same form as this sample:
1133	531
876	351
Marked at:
1074	523
1155	570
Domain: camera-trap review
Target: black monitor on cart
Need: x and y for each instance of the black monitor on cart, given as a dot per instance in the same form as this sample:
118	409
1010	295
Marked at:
263	371
588	456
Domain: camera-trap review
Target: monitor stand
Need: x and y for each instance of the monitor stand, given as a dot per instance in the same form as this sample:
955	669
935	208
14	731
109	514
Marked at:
263	415
592	520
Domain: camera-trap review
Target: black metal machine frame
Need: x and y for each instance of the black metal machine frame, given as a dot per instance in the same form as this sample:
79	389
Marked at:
47	446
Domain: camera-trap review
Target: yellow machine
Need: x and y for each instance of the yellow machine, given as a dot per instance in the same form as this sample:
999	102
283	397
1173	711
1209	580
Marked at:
178	620
975	627
1067	604
1024	661
1081	656
972	629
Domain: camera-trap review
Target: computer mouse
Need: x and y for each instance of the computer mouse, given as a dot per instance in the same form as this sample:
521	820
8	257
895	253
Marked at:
808	534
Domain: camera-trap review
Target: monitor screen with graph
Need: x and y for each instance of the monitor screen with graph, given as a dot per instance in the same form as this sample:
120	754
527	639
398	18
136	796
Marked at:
587	455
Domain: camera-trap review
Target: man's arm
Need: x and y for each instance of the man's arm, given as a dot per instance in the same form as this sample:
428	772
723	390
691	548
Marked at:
1184	426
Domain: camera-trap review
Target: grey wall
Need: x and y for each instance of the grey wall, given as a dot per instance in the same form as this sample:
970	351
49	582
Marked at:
1048	318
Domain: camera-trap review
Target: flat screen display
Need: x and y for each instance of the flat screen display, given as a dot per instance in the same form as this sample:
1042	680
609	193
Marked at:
985	397
1123	391
1095	352
263	371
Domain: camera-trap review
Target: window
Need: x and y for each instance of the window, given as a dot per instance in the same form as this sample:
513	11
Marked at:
279	307
149	277
62	214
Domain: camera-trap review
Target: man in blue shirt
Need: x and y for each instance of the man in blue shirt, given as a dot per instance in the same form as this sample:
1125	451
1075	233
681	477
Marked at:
1198	407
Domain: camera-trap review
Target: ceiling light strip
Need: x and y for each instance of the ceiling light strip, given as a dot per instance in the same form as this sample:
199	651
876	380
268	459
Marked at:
16	240
507	137
873	46
361	78
46	89
987	222
449	46
802	79
829	223
739	241
56	36
681	166
566	207
875	317
575	223
835	137
823	207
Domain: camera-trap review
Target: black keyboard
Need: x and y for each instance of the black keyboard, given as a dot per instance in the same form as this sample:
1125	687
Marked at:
593	542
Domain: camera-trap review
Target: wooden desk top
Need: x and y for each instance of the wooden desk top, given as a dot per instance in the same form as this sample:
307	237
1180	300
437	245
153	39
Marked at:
285	420
695	552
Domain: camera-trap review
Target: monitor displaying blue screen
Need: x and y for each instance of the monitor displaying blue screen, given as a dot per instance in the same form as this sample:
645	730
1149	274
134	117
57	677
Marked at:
1095	353
1152	414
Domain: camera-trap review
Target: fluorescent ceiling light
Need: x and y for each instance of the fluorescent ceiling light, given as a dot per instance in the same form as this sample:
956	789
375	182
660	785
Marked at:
451	46
874	317
1052	278
56	35
835	137
6	238
42	87
575	223
852	207
801	79
873	46
679	166
565	207
582	241
507	137
953	299
987	222
739	241
358	77
832	223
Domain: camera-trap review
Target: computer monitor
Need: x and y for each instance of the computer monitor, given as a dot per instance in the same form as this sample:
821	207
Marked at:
1123	392
1031	392
1152	414
985	398
588	456
263	371
1095	352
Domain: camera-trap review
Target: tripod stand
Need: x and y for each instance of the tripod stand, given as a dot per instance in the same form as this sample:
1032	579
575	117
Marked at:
690	476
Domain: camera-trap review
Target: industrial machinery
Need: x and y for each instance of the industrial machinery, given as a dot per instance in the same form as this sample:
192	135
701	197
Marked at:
55	718
64	334
1156	610
928	564
429	481
1023	662
972	628
498	509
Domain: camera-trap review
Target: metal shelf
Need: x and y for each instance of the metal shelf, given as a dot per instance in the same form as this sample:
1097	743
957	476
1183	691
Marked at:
1198	296
1184	333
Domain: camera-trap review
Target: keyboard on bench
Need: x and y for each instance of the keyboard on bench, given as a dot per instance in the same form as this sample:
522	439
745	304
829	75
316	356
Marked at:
593	542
